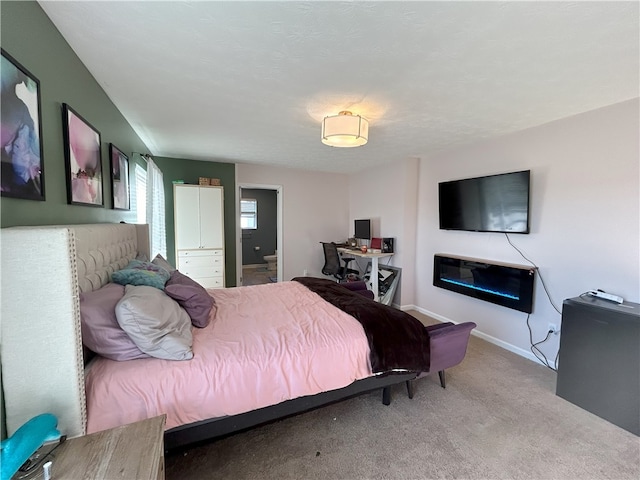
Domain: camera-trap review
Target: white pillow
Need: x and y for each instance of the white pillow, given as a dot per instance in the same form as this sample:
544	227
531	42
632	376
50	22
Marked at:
155	323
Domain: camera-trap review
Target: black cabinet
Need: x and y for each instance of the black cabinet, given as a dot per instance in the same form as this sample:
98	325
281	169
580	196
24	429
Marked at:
599	359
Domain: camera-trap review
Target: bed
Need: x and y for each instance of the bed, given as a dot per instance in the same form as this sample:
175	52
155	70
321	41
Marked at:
45	368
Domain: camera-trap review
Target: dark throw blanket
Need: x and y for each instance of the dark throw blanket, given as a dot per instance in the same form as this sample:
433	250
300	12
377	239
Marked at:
396	339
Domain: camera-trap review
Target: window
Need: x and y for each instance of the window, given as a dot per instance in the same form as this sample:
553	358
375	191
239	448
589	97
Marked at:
249	214
139	197
156	210
148	199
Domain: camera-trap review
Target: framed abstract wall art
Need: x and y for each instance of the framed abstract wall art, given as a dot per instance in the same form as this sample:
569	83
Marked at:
119	178
22	168
83	159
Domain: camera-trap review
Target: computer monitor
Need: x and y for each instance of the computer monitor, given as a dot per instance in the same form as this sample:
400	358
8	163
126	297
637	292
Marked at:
362	229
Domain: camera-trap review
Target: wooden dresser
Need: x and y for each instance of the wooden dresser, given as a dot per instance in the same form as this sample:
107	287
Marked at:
134	451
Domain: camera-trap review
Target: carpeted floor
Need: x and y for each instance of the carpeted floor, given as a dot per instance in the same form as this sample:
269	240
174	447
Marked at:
498	418
257	275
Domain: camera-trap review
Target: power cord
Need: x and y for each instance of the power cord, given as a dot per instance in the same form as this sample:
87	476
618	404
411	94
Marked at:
534	346
539	274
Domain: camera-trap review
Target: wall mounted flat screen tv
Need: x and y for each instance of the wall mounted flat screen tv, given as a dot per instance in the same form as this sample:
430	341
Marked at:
495	203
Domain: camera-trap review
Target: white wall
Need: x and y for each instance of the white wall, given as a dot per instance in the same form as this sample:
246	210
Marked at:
387	195
585	223
584	226
315	209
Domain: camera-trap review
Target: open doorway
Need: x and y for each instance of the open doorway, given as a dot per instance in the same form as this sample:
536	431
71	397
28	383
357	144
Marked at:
259	214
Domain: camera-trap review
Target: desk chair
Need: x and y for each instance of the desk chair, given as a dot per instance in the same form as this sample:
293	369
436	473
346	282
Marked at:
332	263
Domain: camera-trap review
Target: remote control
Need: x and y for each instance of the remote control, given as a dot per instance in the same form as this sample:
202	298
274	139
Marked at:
606	296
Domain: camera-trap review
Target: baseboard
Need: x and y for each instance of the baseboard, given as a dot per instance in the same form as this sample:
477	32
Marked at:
496	341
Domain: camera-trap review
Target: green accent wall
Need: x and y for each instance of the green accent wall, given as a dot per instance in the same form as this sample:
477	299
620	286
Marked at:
189	171
28	35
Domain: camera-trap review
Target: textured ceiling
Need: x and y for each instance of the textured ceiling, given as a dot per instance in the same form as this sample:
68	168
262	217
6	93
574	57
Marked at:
251	81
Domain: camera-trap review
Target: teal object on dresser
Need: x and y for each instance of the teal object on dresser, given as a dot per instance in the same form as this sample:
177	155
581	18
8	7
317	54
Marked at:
25	441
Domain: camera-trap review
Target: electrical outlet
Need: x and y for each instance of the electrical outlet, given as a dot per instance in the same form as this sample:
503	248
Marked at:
304	272
553	328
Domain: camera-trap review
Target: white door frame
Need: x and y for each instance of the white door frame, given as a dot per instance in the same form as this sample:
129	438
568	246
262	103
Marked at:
259	186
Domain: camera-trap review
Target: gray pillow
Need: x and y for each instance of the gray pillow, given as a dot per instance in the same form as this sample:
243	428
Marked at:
155	323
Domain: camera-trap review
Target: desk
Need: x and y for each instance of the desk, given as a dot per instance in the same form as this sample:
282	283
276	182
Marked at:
374	265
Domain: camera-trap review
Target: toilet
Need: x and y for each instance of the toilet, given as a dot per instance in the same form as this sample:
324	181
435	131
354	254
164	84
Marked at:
272	261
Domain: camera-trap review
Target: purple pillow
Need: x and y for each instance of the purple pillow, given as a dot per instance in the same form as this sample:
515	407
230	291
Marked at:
191	296
101	332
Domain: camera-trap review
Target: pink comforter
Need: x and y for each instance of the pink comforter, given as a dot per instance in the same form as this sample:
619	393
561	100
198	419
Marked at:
266	344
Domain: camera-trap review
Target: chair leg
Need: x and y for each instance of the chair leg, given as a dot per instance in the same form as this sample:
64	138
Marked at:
386	395
410	388
442	379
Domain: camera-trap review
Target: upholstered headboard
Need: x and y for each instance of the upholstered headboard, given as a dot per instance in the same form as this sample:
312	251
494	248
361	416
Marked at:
43	271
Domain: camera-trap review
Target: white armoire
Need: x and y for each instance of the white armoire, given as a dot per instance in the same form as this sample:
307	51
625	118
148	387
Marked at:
199	232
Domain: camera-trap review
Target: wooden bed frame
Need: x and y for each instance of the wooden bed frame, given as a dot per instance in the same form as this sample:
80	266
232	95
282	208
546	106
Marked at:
44	269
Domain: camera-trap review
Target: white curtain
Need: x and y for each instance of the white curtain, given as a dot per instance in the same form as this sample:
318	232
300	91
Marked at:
156	210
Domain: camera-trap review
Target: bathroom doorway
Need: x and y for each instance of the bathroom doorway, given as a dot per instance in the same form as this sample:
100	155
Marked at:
259	234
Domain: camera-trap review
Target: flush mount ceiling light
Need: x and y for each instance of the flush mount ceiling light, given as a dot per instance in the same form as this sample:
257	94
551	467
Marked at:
345	130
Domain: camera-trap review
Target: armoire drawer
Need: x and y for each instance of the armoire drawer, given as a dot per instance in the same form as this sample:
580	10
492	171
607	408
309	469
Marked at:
211	282
210	260
200	272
